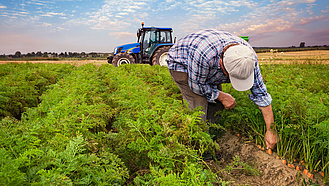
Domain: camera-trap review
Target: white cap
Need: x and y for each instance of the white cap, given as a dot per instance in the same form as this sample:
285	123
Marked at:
239	61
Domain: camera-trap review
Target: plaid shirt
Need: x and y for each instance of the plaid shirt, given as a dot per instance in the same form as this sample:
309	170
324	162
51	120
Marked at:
198	55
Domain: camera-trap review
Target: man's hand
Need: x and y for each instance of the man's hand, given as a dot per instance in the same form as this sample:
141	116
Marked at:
227	100
270	139
270	135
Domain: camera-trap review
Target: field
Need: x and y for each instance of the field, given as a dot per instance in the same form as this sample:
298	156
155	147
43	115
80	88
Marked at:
305	57
67	123
71	62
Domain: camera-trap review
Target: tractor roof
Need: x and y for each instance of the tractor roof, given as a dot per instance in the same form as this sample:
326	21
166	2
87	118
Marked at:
149	28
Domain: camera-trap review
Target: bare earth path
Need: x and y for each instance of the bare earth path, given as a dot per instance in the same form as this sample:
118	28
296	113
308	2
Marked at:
273	172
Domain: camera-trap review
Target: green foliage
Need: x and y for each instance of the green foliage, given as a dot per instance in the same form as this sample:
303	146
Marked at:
237	164
92	125
301	112
103	126
22	84
73	166
9	169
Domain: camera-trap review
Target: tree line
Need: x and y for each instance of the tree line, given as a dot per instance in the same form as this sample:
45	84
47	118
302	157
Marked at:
18	54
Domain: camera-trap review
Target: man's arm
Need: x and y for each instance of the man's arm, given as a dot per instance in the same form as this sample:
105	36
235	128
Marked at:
227	100
270	135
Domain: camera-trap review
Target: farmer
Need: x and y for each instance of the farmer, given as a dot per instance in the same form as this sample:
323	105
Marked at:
200	62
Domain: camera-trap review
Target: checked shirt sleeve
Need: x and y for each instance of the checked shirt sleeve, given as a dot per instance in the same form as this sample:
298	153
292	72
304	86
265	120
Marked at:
259	94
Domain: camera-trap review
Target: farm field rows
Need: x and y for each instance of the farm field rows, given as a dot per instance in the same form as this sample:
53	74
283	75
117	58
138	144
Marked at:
95	124
304	57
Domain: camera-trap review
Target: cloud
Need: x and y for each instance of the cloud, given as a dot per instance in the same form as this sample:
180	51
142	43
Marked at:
212	7
309	8
282	16
44	24
60	28
121	35
168	5
270	25
313	19
51	14
104	23
115	16
2	7
194	23
118	13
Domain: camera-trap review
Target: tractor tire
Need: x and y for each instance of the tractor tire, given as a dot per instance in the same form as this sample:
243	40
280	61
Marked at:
123	58
160	56
109	59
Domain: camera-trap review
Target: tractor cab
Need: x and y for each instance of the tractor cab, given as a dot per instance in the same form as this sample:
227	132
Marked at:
151	38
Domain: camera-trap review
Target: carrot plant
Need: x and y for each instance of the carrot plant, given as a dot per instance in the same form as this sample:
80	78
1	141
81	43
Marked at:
300	106
127	125
237	164
22	84
156	126
106	125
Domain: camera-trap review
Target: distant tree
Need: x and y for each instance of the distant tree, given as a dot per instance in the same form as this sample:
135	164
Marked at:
28	55
54	54
3	56
18	54
38	54
33	54
93	54
302	45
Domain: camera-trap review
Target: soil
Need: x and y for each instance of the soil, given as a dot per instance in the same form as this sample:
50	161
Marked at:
272	171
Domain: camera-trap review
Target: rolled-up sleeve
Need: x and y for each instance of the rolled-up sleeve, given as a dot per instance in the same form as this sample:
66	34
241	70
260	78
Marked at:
259	94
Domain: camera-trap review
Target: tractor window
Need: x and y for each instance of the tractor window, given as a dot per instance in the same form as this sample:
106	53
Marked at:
146	41
140	35
165	37
151	38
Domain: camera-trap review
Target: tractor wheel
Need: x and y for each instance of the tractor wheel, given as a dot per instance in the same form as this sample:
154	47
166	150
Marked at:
160	56
123	58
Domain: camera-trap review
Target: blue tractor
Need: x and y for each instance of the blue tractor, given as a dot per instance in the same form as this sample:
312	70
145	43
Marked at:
152	47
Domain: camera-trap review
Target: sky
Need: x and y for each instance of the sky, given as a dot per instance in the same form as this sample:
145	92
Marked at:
100	25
